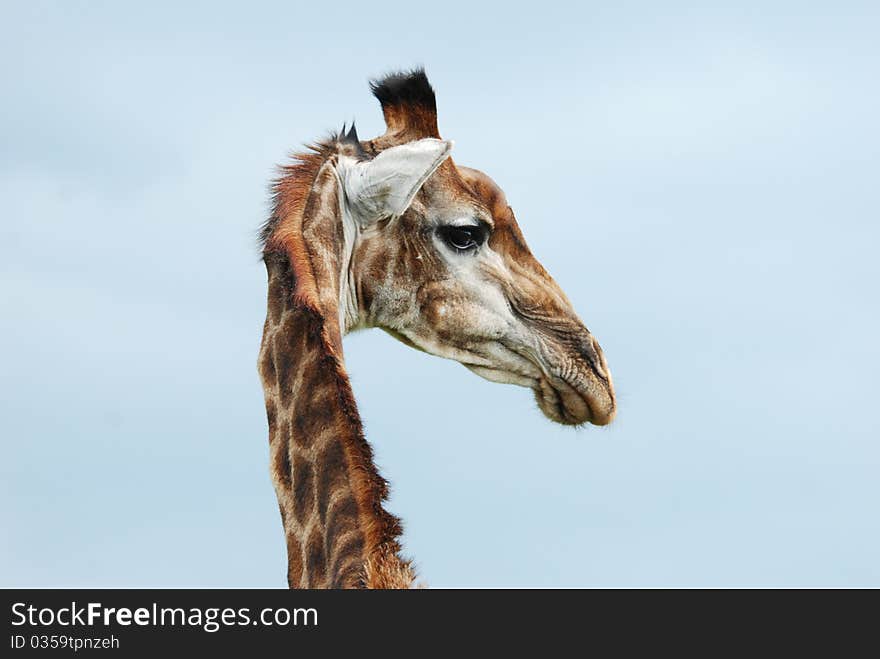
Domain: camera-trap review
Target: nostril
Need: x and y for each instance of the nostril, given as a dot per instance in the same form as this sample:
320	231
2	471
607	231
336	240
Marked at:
592	354
598	349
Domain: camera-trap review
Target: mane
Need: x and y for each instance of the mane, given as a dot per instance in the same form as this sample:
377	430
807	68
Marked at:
289	191
290	188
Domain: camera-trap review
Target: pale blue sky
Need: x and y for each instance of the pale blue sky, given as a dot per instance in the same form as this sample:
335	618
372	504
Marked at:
704	183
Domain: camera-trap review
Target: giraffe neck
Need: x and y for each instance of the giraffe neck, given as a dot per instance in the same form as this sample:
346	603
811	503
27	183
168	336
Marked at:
329	491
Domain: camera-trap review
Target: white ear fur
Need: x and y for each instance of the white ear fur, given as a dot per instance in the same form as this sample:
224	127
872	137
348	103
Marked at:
385	186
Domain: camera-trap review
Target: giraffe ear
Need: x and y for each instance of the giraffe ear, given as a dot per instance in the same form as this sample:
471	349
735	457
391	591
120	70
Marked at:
386	185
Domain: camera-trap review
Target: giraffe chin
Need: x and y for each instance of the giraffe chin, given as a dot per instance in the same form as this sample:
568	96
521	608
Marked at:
563	403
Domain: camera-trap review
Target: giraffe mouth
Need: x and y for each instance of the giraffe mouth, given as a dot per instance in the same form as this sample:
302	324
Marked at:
573	405
576	388
571	387
585	395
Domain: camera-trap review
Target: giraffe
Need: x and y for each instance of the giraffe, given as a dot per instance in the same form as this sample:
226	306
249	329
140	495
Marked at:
390	233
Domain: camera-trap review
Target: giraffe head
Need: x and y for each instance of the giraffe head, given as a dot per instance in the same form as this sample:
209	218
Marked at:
437	260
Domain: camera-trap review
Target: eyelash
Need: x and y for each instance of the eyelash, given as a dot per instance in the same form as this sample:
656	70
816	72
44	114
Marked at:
466	238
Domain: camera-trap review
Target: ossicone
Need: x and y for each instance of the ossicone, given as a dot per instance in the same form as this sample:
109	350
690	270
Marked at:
408	104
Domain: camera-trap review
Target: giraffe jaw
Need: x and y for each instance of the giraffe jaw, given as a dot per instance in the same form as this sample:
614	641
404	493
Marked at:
568	404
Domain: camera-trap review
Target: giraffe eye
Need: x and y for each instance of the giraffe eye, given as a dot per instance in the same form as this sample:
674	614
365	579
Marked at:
463	238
